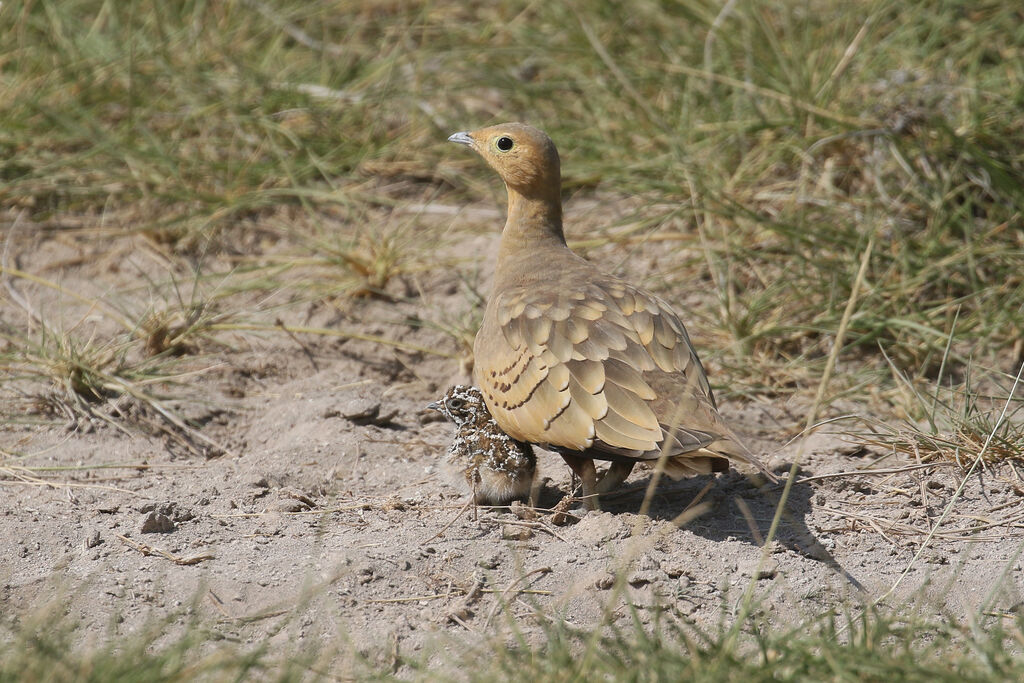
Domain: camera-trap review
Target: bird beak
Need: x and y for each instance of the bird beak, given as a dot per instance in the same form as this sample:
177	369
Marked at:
462	138
434	405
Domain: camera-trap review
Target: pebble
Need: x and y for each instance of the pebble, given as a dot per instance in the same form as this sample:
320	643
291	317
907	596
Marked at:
156	523
92	539
490	562
511	532
642	578
769	571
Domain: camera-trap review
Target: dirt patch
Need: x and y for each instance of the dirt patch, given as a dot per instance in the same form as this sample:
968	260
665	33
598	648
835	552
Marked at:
326	510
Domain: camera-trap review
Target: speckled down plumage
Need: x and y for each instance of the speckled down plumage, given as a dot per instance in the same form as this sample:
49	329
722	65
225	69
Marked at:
497	468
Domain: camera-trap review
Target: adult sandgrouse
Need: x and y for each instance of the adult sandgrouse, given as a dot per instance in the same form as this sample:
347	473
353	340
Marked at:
576	360
497	468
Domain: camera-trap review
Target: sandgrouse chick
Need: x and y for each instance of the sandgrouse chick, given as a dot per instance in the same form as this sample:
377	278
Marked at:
578	360
497	468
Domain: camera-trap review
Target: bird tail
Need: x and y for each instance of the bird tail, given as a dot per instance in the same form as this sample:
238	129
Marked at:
682	466
734	450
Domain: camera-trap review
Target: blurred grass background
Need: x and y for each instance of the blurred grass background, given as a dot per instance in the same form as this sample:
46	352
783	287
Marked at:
778	138
763	146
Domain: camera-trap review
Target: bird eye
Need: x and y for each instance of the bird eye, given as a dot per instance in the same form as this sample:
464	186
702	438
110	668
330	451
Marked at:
505	143
455	403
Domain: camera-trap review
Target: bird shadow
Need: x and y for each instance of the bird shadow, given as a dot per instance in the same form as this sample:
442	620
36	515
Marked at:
736	508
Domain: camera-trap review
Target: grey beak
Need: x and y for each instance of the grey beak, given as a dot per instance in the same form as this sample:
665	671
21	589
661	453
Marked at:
434	405
461	138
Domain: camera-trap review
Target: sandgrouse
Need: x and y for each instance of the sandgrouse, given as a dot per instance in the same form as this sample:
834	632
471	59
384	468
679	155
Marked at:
497	468
579	361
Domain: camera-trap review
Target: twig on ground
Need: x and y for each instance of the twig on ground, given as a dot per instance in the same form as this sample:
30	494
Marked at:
878	472
219	604
540	526
414	598
150	550
448	525
501	599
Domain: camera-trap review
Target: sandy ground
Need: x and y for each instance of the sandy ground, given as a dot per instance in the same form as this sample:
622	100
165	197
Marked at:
329	512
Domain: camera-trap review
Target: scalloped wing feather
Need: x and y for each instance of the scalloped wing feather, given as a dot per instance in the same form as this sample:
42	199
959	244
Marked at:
573	370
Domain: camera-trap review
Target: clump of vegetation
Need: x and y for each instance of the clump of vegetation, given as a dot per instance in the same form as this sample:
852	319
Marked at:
870	644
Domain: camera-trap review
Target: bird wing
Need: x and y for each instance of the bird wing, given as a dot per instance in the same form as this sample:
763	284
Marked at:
602	367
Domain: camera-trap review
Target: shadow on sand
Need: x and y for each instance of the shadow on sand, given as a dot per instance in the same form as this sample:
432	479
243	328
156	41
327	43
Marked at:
736	509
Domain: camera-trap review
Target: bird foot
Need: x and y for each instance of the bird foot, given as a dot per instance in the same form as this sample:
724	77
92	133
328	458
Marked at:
613	477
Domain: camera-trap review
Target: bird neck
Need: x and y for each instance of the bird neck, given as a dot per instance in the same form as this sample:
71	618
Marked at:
534	225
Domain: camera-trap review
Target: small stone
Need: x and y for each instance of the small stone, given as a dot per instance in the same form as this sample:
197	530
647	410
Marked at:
358	410
287	505
769	571
605	581
92	539
156	523
511	532
168	509
646	563
523	511
672	569
490	562
560	513
183	515
641	578
463	613
687	608
292	500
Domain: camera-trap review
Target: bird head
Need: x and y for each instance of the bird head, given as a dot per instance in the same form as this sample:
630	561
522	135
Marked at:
523	156
462	405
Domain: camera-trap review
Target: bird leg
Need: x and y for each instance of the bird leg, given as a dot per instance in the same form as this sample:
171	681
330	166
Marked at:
535	489
614	476
585	470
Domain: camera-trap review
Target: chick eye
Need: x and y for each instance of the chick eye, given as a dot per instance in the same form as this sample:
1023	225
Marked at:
505	143
455	403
